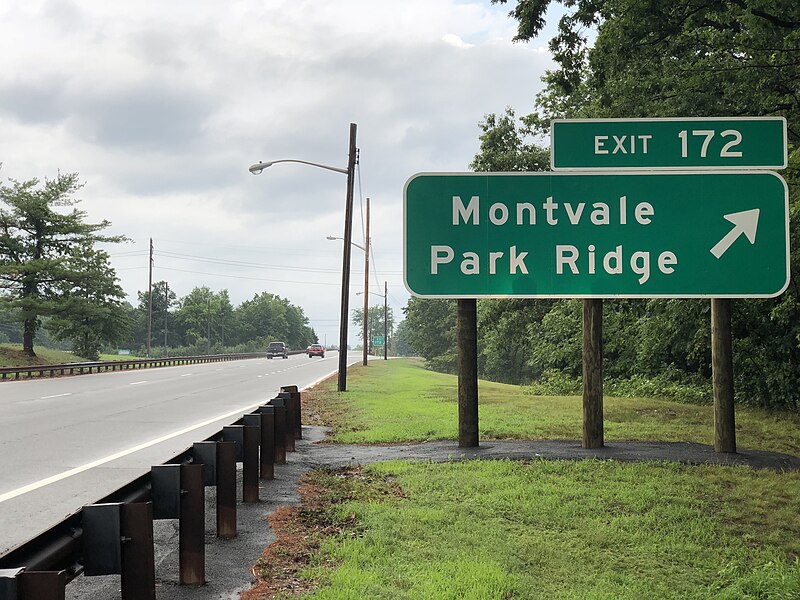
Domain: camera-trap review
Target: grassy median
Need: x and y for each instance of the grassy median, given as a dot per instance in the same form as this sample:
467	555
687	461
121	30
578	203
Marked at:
501	529
554	530
399	400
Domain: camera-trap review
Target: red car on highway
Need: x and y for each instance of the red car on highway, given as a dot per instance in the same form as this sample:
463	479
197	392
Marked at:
316	350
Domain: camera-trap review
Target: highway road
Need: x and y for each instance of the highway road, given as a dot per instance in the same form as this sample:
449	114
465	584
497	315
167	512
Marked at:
70	441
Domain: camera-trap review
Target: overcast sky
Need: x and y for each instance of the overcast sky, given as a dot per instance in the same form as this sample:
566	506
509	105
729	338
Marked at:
162	107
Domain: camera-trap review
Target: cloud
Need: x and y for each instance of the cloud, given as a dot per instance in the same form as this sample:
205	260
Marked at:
162	106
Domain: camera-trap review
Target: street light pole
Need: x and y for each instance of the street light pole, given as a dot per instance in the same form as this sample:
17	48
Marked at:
366	289
348	236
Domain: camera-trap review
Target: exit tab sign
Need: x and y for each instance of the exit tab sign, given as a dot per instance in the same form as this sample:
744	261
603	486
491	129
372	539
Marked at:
674	143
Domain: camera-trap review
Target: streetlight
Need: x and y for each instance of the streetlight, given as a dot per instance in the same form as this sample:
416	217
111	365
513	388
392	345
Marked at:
348	234
336	237
385	318
366	283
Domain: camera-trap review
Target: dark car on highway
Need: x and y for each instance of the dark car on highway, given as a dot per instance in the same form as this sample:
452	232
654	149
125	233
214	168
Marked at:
277	349
316	350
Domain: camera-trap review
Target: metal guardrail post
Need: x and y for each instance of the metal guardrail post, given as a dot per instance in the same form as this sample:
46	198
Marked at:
280	430
226	490
191	542
235	433
298	410
205	453
267	442
40	585
138	552
290	418
250	464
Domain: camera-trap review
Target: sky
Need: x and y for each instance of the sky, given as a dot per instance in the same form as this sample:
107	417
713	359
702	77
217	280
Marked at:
161	107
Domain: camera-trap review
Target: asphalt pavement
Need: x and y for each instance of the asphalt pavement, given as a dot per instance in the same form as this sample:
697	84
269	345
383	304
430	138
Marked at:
68	441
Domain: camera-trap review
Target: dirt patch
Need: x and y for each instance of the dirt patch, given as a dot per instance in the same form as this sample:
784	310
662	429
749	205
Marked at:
277	569
299	531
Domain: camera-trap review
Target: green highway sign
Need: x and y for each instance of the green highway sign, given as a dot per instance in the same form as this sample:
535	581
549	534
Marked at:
596	235
679	144
377	340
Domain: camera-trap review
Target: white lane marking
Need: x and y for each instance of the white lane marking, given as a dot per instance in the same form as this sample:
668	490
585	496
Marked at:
106	459
56	396
137	382
187	374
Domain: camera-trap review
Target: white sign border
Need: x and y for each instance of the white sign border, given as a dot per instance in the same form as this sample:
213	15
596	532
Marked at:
626	173
671	169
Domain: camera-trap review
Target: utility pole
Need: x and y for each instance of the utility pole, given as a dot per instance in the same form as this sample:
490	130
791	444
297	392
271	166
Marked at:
208	327
366	289
344	316
150	301
166	312
385	322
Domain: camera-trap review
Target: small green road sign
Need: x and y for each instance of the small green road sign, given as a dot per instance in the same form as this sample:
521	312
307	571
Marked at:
596	235
679	144
377	340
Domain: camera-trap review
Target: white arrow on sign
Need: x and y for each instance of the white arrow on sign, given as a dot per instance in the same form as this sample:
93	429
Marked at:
745	222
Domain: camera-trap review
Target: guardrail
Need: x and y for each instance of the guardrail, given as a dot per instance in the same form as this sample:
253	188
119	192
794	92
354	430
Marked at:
115	534
85	368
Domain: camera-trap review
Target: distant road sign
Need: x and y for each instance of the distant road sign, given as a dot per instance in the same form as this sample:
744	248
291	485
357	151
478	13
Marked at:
598	235
680	144
378	340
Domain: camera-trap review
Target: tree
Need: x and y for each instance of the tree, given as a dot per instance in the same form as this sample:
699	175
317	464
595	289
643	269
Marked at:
197	319
688	58
90	312
163	299
375	323
430	330
506	146
37	243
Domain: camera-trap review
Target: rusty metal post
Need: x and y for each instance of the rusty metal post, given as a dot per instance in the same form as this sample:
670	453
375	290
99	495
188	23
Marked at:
41	585
250	464
138	559
267	470
288	402
298	410
192	556
280	430
226	490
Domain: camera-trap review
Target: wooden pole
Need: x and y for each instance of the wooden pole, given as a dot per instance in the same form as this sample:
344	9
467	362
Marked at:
467	373
344	315
722	366
150	301
385	322
592	373
366	290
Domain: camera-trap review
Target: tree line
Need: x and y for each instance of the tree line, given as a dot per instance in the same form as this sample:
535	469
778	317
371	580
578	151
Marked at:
57	284
665	58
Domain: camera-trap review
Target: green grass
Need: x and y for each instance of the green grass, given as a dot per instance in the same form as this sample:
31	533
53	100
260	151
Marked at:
11	355
398	400
561	530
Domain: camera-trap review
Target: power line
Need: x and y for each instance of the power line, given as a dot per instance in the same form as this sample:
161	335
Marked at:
242	263
248	278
